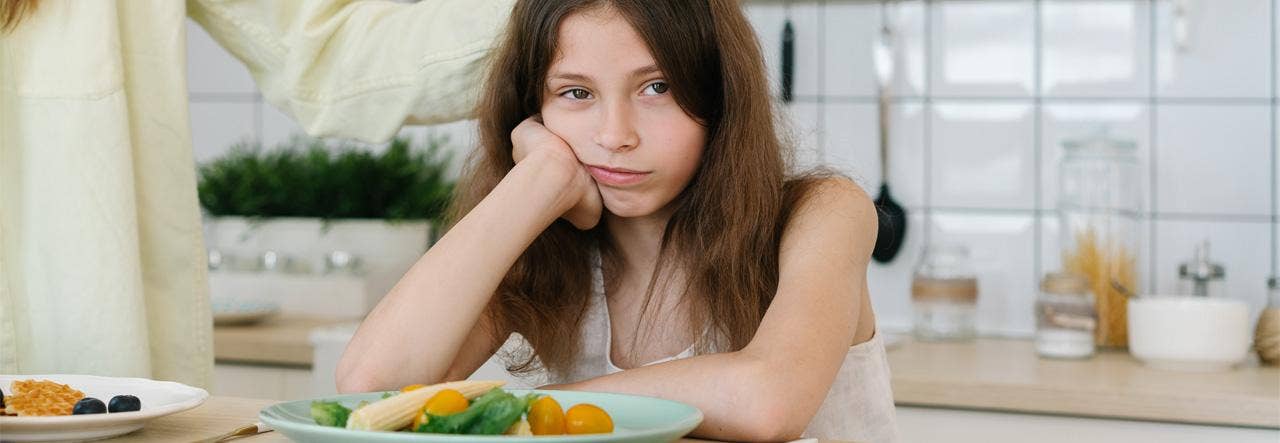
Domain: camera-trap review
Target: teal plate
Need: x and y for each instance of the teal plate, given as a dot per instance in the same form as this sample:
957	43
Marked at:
635	419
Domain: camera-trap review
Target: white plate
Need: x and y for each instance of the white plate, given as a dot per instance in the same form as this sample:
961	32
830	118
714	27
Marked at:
159	398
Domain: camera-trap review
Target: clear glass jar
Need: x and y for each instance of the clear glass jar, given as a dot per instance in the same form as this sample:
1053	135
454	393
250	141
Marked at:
1065	317
944	294
1099	210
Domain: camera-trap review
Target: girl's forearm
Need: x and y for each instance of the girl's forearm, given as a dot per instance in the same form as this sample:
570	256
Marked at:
735	392
444	294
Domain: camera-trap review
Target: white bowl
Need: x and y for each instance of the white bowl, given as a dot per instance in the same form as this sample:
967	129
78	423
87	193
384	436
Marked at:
1188	333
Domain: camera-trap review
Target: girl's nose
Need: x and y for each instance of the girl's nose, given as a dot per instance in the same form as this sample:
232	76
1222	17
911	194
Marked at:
617	130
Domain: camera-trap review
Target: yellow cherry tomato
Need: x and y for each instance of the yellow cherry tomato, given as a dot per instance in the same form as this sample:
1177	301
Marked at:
410	387
587	418
446	402
546	417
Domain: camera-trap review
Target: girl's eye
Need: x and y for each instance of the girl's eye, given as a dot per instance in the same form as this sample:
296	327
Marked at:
657	88
577	94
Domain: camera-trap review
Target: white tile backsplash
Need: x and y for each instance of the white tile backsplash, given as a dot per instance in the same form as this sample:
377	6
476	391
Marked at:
1275	244
852	147
1218	48
808	68
211	69
802	129
1096	48
1213	159
985	91
851	142
277	127
215	127
983	48
853	27
983	155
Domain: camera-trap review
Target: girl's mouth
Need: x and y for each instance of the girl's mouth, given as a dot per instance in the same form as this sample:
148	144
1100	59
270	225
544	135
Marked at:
617	177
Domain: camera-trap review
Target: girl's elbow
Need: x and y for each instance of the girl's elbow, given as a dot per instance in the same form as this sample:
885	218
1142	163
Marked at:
351	382
352	378
776	414
773	422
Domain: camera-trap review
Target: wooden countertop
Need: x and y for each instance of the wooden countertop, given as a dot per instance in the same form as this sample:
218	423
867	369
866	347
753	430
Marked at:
994	374
281	341
217	416
1006	375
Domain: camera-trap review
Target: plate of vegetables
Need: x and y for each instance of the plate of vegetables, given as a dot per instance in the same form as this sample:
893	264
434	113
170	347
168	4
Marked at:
482	411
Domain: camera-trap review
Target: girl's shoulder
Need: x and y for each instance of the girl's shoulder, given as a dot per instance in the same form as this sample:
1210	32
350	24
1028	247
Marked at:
831	197
830	216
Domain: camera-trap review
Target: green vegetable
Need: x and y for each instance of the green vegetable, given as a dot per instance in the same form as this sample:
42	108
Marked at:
490	414
329	413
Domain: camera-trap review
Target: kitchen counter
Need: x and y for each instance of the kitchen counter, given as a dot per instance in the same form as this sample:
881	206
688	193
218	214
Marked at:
1006	375
217	416
985	374
279	341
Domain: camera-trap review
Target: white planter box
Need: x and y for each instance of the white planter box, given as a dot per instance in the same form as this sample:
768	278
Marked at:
386	250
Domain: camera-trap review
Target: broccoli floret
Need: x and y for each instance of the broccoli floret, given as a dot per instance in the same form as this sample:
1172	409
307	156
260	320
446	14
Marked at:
329	413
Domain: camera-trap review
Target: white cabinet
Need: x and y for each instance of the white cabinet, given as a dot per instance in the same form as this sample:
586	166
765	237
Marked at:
269	382
918	424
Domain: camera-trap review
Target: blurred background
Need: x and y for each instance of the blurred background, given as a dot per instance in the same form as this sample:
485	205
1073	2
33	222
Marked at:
1021	135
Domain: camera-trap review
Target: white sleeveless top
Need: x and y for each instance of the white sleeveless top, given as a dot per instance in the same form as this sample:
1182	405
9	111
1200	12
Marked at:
858	407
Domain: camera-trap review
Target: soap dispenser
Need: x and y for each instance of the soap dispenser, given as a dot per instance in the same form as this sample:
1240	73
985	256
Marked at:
1201	277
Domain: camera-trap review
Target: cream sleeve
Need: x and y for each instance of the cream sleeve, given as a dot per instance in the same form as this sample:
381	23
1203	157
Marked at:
360	69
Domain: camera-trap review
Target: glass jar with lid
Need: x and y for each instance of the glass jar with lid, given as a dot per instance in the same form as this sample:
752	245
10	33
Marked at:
944	294
1100	221
1065	317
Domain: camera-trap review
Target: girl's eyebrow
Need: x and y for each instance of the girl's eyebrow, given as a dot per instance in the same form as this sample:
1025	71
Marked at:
573	76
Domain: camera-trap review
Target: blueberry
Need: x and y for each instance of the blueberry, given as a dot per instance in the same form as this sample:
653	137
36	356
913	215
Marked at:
124	403
89	405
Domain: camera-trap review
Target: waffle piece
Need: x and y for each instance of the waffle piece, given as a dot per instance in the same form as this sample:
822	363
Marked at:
34	398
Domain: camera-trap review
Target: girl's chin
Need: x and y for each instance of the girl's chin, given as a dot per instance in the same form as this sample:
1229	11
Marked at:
630	209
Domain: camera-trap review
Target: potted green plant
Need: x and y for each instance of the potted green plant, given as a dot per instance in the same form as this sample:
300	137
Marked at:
307	200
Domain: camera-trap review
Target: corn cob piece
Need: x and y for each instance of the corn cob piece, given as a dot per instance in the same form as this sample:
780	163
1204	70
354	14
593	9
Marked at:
396	412
520	427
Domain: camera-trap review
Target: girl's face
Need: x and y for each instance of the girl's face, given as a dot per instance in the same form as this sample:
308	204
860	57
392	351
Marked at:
606	97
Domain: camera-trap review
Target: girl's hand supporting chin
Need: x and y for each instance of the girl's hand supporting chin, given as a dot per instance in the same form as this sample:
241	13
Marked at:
530	139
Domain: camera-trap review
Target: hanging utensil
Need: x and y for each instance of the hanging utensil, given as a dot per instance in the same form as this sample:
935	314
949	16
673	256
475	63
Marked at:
788	56
893	218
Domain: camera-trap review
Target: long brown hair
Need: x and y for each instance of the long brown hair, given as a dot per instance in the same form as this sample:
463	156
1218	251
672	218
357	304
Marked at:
725	231
13	11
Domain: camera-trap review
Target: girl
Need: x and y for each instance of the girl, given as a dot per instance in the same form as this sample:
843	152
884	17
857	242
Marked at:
627	217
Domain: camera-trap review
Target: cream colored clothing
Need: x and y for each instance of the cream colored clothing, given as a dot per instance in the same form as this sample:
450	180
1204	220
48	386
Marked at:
858	406
102	265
